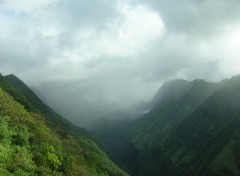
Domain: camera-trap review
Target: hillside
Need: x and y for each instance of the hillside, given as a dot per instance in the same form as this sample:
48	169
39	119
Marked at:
192	129
34	140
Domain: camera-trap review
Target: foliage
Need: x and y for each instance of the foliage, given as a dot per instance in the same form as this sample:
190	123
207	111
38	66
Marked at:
192	129
33	144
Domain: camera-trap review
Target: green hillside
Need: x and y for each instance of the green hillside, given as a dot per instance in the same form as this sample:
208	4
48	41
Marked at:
193	129
32	103
34	140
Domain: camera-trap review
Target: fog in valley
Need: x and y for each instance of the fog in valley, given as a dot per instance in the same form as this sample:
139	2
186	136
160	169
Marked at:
90	58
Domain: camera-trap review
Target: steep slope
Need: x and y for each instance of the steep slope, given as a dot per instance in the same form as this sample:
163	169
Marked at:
207	142
31	143
191	130
25	96
132	142
173	102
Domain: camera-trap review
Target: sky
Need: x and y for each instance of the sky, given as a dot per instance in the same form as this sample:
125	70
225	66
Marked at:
87	58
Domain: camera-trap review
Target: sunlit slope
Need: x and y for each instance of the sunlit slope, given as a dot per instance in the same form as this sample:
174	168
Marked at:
31	145
25	96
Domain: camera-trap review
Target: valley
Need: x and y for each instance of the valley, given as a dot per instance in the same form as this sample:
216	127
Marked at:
191	129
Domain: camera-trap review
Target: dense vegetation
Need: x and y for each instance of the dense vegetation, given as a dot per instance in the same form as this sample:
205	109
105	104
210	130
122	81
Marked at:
193	129
34	140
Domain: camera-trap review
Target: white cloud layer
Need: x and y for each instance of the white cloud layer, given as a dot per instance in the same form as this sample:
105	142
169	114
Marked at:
106	55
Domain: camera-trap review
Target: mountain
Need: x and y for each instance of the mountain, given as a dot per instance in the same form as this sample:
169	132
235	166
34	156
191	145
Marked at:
35	140
192	129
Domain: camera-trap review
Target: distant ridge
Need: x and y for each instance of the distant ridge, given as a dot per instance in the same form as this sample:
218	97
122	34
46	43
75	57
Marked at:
192	129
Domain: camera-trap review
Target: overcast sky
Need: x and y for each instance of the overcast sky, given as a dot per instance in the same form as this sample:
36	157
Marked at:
88	56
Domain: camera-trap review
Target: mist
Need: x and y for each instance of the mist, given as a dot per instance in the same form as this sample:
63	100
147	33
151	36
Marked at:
90	58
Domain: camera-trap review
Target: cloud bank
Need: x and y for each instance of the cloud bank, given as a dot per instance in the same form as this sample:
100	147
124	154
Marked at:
88	58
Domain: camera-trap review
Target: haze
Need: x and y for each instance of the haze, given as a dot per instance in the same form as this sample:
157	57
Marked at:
89	58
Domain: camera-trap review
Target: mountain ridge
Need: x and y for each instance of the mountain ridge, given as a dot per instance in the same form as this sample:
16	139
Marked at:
192	129
174	138
34	140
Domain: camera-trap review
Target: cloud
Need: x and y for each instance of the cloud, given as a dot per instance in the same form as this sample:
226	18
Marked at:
25	6
88	58
200	18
